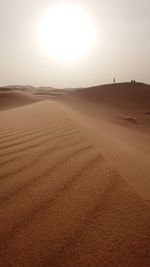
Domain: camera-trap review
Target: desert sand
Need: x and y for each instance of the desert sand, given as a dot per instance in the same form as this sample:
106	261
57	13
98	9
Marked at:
75	177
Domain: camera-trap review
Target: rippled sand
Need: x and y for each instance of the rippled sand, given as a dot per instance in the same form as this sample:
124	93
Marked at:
63	201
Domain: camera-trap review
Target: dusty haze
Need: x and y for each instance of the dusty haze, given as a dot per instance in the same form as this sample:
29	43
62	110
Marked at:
122	48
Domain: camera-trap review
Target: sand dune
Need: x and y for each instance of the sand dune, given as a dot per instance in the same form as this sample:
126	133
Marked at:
128	96
124	101
11	98
119	126
64	200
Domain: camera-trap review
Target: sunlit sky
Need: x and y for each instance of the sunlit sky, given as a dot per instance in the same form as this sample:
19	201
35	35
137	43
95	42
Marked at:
121	45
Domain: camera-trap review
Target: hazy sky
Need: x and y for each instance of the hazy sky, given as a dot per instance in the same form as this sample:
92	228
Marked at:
122	48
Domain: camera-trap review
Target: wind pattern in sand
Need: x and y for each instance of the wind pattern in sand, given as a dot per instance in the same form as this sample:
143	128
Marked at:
61	203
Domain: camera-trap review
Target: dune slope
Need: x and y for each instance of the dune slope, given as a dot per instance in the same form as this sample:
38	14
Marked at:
127	96
62	202
12	98
116	119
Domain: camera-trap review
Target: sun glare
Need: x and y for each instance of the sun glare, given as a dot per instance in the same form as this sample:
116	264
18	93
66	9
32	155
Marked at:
67	32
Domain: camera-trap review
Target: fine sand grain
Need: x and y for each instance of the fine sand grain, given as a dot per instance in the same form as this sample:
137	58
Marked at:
74	185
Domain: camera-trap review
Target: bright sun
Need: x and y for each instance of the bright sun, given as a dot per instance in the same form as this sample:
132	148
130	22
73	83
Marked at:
67	32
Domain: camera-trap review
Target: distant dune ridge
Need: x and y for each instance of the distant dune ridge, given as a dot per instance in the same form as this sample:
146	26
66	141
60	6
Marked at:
11	98
124	95
75	176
